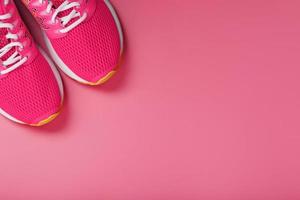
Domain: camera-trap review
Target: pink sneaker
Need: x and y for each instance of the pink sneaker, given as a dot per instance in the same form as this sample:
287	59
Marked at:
83	37
31	90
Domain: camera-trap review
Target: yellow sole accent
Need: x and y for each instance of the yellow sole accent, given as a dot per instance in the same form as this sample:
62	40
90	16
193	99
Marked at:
107	77
46	121
104	79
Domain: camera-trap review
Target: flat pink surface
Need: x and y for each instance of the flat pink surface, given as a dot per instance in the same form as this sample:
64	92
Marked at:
205	106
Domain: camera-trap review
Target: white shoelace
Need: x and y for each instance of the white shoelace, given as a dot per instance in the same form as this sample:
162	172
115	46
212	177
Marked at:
66	5
15	60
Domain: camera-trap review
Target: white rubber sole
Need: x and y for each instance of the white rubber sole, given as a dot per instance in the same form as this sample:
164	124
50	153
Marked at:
61	90
60	63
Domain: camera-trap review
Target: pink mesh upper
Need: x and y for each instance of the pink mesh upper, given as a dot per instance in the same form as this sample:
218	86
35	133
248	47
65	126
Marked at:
92	49
30	93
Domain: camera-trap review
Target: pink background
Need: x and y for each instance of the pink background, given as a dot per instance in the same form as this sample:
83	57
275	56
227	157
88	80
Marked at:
205	106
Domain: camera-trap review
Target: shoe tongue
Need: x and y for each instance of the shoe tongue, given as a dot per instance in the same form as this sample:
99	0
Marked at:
57	3
3	42
3	32
2	8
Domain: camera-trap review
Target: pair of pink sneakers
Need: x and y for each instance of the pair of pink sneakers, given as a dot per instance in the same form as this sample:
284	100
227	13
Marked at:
82	37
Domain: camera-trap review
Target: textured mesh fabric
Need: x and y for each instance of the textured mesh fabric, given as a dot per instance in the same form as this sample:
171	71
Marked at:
30	93
92	49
